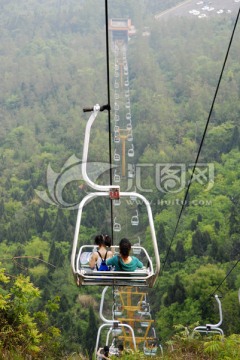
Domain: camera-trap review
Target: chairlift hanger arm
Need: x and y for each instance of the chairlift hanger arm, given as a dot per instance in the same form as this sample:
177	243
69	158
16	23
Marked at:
95	110
213	326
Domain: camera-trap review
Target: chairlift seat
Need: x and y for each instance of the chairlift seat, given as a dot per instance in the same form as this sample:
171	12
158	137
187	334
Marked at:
117	313
116	178
131	153
137	251
134	220
140	277
116	202
150	351
145	323
116	227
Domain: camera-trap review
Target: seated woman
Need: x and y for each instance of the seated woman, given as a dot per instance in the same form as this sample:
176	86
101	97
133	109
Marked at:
103	353
103	242
124	262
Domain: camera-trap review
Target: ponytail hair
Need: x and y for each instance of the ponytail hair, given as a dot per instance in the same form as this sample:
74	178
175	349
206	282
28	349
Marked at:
103	240
99	240
107	240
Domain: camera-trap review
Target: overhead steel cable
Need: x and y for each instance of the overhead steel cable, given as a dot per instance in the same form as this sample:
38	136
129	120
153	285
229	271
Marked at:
229	272
220	284
109	114
202	139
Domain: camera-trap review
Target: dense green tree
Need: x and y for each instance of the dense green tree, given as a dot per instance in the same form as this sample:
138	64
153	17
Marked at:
180	254
161	238
22	330
175	293
91	333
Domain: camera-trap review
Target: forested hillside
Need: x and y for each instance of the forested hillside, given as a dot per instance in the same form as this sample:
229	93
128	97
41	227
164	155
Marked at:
53	63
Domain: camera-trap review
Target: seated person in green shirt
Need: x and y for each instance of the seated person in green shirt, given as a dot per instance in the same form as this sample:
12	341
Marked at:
124	262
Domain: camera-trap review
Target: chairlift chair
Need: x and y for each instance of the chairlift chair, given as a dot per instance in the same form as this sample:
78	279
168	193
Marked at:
144	308
117	202
131	151
112	329
84	275
116	139
135	219
116	156
132	167
115	327
146	319
130	136
116	177
131	172
116	117
150	347
116	226
128	117
129	126
137	250
117	310
211	328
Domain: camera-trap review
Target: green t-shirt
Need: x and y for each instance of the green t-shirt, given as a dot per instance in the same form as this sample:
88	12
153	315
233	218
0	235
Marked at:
132	266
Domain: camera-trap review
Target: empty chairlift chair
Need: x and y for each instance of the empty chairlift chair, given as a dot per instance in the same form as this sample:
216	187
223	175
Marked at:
128	116
137	248
146	319
116	156
116	226
135	219
211	328
116	177
131	151
130	136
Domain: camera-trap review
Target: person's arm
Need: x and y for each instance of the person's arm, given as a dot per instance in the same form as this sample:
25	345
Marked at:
110	261
102	355
93	260
99	352
109	254
139	263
